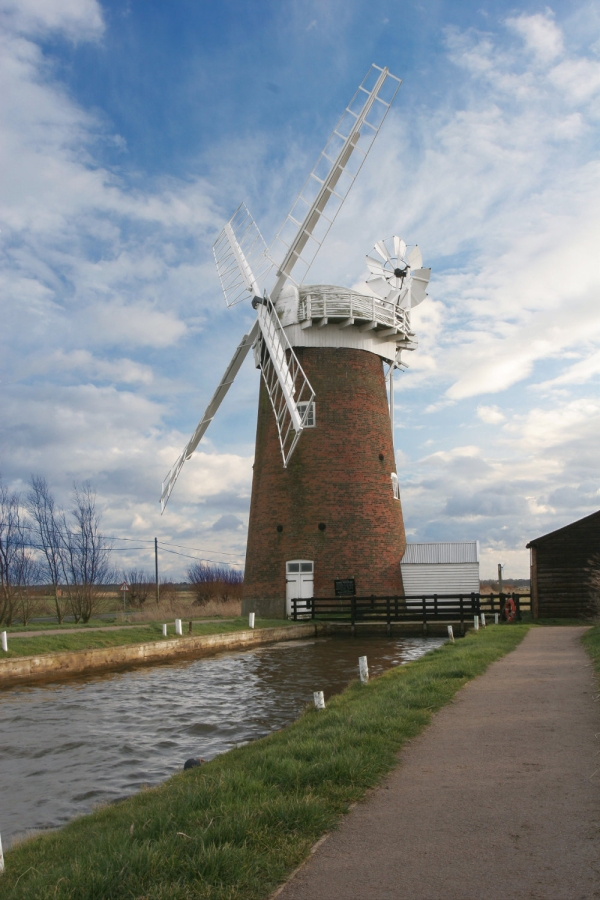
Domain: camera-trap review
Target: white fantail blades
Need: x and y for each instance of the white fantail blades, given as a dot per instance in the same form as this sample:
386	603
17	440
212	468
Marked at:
415	258
375	266
382	250
399	247
420	280
399	278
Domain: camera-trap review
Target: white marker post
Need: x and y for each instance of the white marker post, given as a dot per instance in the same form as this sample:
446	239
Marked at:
476	623
251	619
164	630
495	618
483	619
1	853
178	627
319	698
363	669
450	634
4	642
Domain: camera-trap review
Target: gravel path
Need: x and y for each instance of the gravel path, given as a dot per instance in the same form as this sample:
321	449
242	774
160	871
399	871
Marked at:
496	800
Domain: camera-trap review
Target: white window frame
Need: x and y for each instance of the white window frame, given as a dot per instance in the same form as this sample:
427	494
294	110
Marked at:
395	486
301	408
300	563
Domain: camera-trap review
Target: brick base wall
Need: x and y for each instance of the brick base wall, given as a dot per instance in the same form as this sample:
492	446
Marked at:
335	477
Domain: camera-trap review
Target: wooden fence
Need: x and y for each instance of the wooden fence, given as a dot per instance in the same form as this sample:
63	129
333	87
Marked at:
450	608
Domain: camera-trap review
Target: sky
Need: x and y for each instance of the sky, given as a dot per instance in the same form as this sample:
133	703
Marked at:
129	133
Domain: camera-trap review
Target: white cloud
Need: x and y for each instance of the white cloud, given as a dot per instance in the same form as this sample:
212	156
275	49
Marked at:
491	415
540	33
77	19
137	325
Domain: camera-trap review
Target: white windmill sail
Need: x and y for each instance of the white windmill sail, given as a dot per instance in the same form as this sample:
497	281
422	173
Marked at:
284	378
312	215
226	381
244	265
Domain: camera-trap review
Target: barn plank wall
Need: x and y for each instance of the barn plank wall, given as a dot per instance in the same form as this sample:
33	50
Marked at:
561	572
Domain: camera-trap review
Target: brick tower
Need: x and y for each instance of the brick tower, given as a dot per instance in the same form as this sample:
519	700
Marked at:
336	508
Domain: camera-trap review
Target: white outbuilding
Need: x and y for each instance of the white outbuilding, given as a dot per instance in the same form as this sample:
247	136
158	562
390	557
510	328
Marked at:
441	568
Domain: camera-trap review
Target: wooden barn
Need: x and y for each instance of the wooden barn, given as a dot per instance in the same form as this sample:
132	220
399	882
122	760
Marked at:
562	564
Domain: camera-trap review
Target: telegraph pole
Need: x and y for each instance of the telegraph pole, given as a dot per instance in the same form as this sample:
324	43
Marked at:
156	569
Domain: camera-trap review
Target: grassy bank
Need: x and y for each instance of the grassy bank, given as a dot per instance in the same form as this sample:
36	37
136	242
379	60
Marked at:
591	642
135	634
234	828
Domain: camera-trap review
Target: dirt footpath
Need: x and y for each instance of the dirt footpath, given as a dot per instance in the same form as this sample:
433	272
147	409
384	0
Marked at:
496	800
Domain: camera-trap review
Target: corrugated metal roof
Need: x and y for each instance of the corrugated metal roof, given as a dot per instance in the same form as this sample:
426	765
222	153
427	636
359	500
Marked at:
451	552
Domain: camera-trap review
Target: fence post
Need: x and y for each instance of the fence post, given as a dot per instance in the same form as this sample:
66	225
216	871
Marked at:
353	612
462	615
424	615
435	606
312	607
517	600
388	616
295	610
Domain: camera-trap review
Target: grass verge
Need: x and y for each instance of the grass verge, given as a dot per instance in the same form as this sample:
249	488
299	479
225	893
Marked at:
53	643
591	642
235	828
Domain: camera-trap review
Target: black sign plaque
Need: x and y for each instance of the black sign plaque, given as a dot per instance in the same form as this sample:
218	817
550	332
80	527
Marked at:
344	587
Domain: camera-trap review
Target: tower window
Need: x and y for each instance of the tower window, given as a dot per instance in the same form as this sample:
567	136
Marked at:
395	486
311	418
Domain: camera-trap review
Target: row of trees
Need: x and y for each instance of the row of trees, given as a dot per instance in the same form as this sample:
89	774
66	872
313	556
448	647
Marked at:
42	544
215	582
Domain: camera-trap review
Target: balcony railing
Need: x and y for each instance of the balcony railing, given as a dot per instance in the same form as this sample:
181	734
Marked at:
328	302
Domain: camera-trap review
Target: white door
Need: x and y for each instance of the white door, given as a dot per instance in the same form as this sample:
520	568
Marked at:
299	574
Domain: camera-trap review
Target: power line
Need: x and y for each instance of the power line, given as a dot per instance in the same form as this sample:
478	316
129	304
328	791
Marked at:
199	549
200	559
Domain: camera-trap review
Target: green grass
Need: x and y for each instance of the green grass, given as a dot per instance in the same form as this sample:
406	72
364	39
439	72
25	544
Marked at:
236	827
591	642
134	634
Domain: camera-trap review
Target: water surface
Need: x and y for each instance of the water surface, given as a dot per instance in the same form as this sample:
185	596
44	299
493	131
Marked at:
70	746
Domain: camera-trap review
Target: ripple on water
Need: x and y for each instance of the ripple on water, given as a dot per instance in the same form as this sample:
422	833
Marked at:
103	739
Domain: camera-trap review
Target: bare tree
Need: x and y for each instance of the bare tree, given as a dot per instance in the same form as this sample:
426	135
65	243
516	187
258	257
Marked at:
140	584
48	537
14	557
87	556
214	581
29	596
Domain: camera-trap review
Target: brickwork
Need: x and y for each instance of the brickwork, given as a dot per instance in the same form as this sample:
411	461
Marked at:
335	477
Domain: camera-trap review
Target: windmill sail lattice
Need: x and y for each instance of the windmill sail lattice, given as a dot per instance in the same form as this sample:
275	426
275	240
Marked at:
306	226
285	381
241	258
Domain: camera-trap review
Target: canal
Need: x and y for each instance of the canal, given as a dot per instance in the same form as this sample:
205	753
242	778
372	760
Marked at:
68	747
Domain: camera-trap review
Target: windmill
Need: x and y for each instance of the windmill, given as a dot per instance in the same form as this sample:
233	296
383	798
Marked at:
325	510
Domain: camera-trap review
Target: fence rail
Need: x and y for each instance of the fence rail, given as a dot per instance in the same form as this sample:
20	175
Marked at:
399	609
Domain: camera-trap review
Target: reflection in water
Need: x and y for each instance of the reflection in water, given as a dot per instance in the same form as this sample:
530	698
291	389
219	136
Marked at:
67	747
